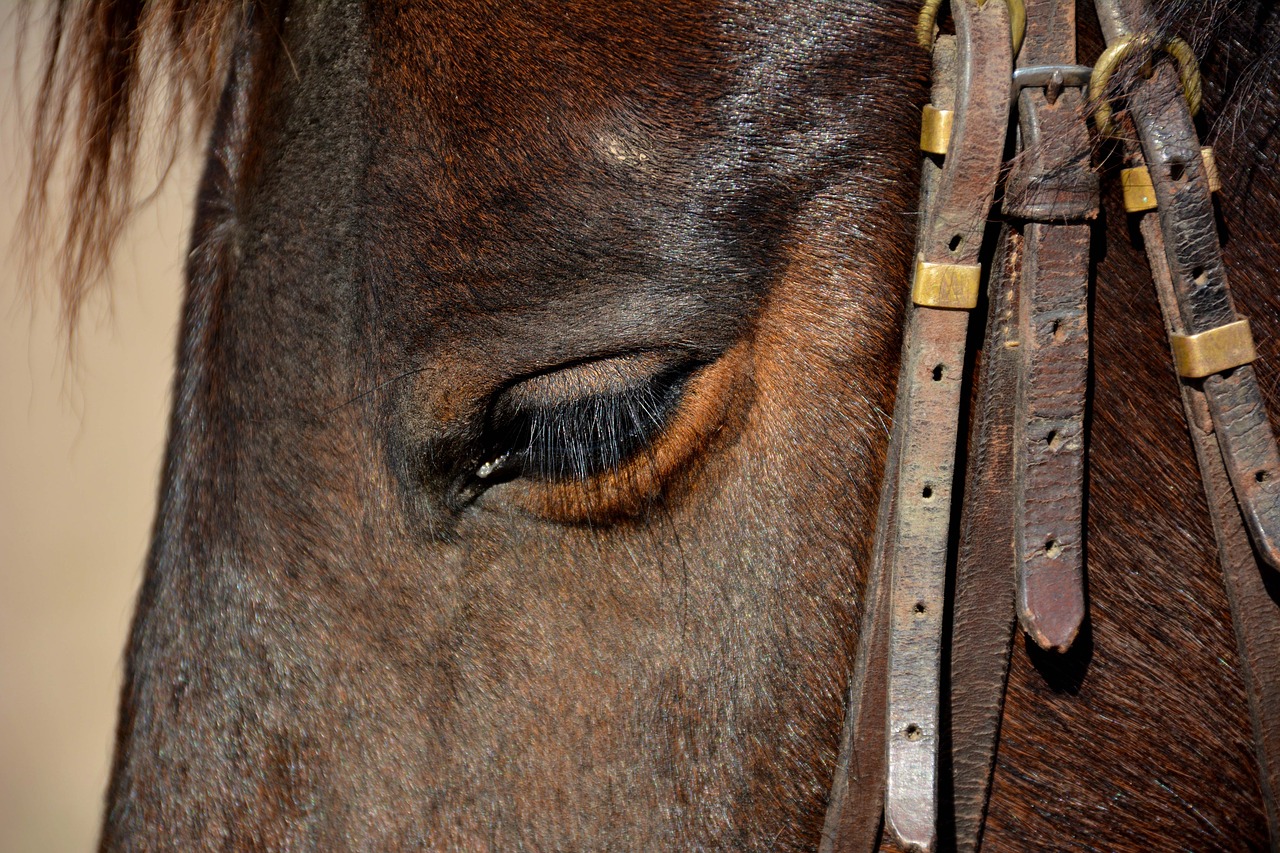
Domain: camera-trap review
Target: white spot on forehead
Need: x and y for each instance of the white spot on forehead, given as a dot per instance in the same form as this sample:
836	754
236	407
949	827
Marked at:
619	148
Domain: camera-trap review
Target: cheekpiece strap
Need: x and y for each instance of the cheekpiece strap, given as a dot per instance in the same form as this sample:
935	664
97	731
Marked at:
972	83
1213	353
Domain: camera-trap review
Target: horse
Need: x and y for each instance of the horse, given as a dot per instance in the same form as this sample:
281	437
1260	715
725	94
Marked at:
534	387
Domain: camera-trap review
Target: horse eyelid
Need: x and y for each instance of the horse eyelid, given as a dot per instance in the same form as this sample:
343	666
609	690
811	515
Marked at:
576	438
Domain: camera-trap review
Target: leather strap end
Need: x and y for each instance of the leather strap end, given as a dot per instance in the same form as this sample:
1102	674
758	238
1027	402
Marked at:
1050	457
1051	607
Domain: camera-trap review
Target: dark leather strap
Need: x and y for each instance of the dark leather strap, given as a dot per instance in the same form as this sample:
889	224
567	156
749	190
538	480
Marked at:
983	614
1228	423
1053	187
1029	420
1049	443
1251	590
1171	149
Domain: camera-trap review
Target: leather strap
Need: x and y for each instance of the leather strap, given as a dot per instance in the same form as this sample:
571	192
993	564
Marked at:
1171	150
1029	419
1054	188
1185	209
1049	442
856	804
1029	427
1251	590
1228	423
955	218
983	609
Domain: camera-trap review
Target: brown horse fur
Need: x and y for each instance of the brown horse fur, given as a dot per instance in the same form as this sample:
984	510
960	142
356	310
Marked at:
530	415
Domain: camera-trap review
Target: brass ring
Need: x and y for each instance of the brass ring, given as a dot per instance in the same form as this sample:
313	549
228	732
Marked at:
1188	73
929	17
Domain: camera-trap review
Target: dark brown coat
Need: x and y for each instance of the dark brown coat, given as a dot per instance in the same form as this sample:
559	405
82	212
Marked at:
529	420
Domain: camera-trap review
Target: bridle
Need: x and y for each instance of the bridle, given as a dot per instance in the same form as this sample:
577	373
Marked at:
1020	537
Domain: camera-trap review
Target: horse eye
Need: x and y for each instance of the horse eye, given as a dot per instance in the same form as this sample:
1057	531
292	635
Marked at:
581	420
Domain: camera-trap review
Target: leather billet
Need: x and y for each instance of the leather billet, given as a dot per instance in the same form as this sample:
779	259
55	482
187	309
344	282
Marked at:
983	603
1171	151
1024	545
1052	193
955	203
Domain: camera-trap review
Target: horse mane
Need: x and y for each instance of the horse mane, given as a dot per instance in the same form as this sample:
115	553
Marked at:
116	72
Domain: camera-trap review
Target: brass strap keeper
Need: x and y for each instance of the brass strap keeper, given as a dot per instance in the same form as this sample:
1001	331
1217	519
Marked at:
1139	194
1198	356
946	285
1211	170
935	129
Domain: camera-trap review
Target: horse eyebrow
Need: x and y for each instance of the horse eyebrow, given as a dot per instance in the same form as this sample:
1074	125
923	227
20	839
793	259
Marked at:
111	68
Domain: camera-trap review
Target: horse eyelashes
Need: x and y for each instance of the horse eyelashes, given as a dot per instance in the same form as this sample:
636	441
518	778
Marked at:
578	436
579	440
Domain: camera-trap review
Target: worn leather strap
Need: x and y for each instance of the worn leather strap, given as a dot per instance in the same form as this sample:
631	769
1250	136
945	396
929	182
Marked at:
983	603
955	218
1171	150
1049	442
1185	209
1255	615
1053	187
856	804
1228	423
1029	418
1251	590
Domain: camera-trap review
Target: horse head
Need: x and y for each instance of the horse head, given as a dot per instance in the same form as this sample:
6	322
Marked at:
533	397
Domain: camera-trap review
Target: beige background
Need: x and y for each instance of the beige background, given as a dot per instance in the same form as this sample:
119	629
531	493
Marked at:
80	447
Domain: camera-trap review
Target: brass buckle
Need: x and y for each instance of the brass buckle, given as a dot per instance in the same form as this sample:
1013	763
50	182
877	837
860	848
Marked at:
929	17
1119	51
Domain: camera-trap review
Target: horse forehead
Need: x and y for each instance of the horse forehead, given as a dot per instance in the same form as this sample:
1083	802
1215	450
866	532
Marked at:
478	78
532	159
